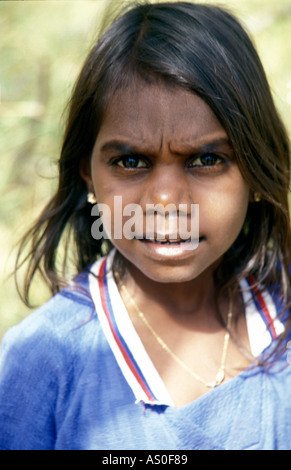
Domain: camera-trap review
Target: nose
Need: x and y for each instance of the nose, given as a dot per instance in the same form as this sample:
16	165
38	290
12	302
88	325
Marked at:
167	184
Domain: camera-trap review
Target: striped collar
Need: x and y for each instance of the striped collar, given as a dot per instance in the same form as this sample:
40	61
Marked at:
130	354
263	324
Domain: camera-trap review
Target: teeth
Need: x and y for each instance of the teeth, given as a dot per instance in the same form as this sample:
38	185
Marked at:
165	242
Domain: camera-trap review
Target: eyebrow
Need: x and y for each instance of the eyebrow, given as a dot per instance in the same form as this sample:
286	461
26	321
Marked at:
127	149
118	146
216	143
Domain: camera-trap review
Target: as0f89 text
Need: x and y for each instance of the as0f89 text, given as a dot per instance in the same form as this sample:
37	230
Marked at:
166	459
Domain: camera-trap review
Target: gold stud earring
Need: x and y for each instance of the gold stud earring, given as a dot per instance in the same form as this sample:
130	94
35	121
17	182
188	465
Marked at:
257	197
91	198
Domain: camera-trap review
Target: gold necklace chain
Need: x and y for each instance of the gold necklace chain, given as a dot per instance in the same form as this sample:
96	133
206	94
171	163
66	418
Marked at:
221	371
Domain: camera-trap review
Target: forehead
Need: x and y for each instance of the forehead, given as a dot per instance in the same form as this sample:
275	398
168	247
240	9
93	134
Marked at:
149	112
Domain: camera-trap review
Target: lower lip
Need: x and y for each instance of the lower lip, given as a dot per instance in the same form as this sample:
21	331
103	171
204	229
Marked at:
171	250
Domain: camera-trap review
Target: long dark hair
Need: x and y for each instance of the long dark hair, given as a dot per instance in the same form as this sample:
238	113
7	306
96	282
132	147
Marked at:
204	49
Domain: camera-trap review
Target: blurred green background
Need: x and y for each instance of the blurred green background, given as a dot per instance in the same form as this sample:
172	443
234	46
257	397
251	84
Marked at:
42	47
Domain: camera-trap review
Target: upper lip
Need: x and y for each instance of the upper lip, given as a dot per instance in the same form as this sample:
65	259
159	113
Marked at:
164	239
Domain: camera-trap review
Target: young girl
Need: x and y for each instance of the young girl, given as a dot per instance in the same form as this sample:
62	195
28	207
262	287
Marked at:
161	342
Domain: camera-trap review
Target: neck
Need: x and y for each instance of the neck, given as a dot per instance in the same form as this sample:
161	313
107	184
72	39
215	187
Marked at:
191	304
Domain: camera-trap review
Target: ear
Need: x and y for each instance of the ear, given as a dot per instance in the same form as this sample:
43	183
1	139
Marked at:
85	172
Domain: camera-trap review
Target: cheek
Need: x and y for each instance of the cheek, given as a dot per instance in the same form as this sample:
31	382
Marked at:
224	214
103	189
107	186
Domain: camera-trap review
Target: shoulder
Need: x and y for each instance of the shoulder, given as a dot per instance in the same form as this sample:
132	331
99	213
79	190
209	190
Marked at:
57	327
41	362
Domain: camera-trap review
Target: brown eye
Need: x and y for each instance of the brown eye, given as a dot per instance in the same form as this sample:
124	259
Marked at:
131	162
207	160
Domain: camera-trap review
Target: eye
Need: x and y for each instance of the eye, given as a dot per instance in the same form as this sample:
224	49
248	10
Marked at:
208	160
131	162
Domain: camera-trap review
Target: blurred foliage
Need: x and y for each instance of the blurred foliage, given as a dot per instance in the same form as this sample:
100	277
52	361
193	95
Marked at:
42	47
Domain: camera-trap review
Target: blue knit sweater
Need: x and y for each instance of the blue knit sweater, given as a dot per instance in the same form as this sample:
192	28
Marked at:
65	385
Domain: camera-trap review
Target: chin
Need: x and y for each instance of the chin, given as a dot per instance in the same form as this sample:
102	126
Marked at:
171	274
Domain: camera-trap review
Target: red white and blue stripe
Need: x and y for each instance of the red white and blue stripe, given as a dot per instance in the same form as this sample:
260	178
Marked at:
123	339
139	371
261	316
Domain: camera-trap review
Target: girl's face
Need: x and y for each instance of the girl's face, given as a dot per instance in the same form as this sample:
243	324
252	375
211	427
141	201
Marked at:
164	145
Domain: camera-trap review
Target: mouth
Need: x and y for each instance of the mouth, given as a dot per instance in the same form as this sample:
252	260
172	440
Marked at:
168	248
168	241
